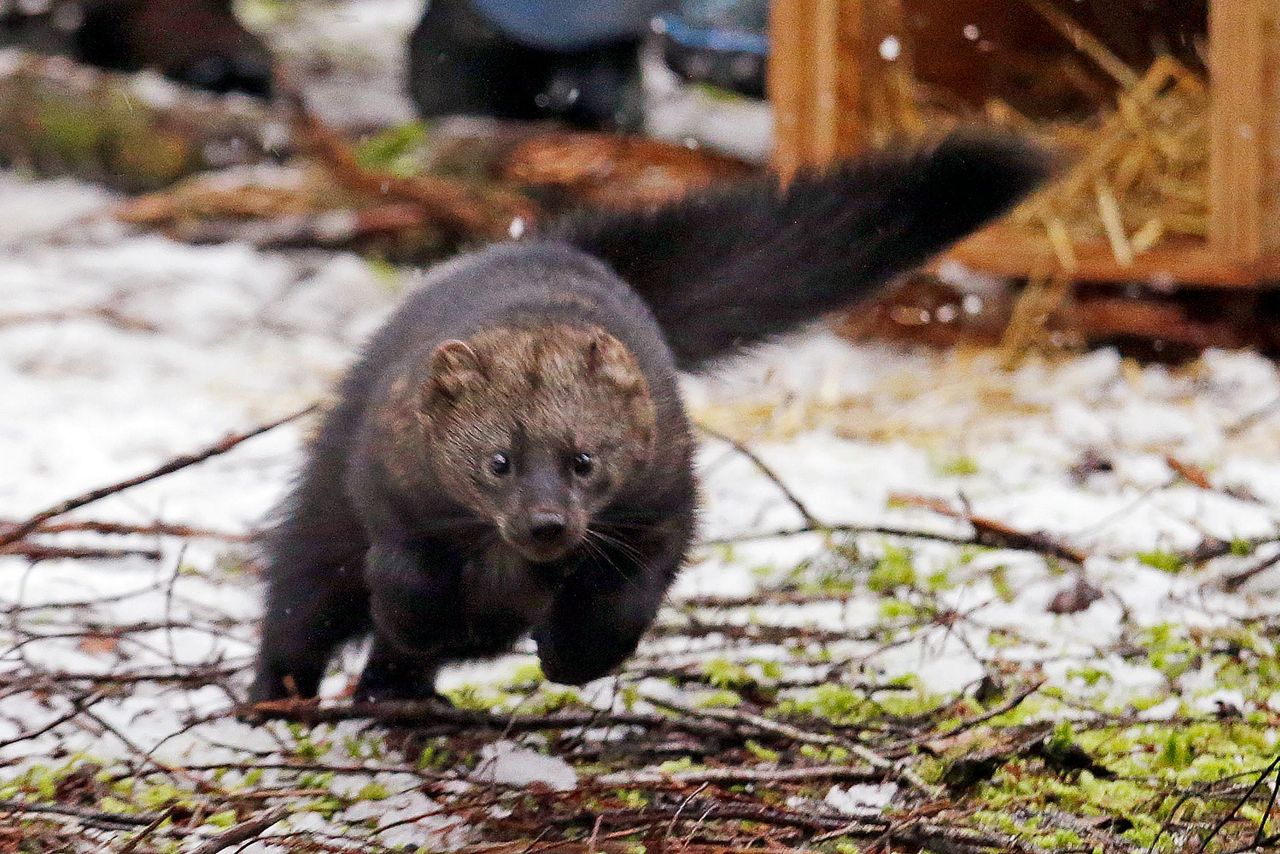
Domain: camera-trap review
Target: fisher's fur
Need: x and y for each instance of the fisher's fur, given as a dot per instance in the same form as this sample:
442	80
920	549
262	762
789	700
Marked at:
510	455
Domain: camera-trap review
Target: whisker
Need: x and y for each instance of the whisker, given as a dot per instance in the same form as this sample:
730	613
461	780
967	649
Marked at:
622	545
596	549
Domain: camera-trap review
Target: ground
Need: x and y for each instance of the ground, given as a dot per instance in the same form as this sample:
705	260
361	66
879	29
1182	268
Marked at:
941	603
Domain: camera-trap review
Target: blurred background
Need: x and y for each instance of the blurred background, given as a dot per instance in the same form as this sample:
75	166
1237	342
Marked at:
1158	237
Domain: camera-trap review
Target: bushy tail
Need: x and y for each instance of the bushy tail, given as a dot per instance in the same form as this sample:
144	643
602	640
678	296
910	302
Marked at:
729	268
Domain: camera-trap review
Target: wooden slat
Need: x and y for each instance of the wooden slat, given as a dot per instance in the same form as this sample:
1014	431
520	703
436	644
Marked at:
825	61
814	80
851	33
789	83
1243	222
1001	252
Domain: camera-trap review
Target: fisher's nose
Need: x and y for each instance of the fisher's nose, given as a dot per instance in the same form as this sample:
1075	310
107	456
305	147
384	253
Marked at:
547	528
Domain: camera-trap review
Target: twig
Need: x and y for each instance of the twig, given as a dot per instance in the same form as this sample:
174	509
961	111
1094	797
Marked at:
38	551
195	676
886	530
656	777
1266	814
794	500
740	718
159	529
1248	420
996	711
449	202
1086	43
994	533
1222	822
1232	583
107	820
20	532
429	713
142	835
242	832
79	704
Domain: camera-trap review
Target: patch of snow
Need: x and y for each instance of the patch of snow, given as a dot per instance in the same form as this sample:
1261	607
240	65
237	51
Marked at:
858	797
507	763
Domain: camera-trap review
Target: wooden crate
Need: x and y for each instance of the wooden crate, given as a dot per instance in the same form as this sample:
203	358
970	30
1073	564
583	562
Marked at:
823	51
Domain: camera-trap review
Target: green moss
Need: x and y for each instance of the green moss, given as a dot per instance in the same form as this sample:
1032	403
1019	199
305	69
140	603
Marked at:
939	580
397	150
999	576
719	700
759	751
1241	547
226	818
474	699
897	610
373	792
722	673
526	677
894	570
825	753
1165	561
326	806
553	700
961	466
633	798
674	766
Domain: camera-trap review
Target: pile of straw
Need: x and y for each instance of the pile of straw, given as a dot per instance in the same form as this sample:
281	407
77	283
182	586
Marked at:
1138	174
1137	171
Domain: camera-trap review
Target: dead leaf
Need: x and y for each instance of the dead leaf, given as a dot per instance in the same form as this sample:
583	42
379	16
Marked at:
98	644
1074	599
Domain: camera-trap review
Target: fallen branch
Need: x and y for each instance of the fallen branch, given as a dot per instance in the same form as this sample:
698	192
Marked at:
194	676
37	551
92	817
886	530
741	718
794	500
732	776
20	531
430	713
1226	819
156	529
996	534
1232	583
449	202
242	832
995	711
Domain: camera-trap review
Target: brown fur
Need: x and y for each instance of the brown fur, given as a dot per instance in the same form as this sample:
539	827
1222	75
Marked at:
560	386
510	455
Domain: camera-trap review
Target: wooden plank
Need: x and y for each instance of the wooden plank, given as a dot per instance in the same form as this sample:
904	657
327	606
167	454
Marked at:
1001	252
1243	222
815	79
825	61
789	86
851	30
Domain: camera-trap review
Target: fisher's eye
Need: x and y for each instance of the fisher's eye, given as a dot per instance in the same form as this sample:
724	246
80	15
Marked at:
500	464
583	464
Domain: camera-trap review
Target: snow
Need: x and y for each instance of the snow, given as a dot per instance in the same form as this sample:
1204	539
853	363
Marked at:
856	798
509	764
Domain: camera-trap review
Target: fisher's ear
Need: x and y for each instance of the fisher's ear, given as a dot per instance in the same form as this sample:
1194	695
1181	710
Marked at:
608	359
455	368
